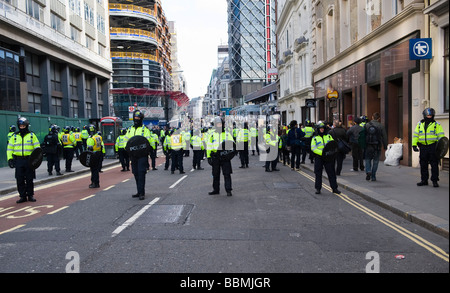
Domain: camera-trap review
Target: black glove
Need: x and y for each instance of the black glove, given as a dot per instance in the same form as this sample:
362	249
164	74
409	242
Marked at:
11	163
210	161
415	148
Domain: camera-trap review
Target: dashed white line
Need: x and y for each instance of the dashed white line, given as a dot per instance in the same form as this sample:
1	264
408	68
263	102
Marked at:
179	180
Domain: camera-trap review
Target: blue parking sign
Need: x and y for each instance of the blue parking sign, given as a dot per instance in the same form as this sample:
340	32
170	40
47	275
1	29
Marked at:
420	49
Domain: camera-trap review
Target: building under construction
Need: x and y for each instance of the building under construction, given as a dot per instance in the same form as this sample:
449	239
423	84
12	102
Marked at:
141	60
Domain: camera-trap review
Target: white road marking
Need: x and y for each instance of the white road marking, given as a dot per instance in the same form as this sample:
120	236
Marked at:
131	220
179	180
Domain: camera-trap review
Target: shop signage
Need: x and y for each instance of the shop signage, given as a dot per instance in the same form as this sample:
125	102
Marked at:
420	49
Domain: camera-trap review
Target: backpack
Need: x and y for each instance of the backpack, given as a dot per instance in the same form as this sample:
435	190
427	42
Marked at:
373	136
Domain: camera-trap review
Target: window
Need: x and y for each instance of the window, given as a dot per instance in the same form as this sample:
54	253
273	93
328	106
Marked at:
101	24
75	6
87	91
73	111
57	106
35	10
446	71
89	43
89	110
32	69
73	82
55	76
88	14
34	103
74	34
57	23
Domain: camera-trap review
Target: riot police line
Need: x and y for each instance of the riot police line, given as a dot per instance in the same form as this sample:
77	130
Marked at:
223	138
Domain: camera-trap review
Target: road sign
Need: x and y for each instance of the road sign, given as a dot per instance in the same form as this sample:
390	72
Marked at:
420	49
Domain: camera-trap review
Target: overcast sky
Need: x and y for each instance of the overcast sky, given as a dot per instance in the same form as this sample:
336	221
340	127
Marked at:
201	26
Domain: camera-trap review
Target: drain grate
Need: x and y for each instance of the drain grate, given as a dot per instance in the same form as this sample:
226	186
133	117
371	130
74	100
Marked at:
285	185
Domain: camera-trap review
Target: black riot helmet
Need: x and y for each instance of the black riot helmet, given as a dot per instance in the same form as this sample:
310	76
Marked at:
138	118
428	111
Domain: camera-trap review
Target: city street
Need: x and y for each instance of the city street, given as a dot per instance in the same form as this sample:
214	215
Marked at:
273	223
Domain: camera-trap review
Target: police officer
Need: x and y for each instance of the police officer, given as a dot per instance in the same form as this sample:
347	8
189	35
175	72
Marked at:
219	140
166	149
78	147
306	149
95	144
120	149
12	130
19	149
176	145
318	142
51	147
139	165
198	149
242	140
425	137
154	144
272	141
84	136
68	142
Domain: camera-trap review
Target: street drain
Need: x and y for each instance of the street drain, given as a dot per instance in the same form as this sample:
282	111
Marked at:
285	185
167	214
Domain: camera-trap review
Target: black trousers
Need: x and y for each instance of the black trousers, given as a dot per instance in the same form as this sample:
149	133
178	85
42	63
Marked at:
296	151
53	160
339	160
428	156
95	173
68	155
124	158
139	169
358	156
24	177
197	159
243	153
319	165
177	160
217	165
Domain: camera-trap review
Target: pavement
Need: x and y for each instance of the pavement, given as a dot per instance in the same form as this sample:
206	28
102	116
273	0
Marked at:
394	190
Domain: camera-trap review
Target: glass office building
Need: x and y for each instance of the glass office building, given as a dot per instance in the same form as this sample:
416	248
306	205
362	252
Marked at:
252	49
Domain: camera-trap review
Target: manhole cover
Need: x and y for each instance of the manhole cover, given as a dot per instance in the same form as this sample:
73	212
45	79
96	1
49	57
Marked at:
285	185
167	214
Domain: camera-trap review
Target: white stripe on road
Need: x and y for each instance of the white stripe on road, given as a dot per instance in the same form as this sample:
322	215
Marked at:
179	180
131	220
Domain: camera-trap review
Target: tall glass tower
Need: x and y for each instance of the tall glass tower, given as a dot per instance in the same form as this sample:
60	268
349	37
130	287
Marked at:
251	43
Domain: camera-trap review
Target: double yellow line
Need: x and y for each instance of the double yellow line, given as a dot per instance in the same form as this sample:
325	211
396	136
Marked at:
413	237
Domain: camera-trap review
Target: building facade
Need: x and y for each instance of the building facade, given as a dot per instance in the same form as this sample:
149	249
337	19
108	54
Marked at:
54	57
141	59
251	46
361	64
294	61
437	81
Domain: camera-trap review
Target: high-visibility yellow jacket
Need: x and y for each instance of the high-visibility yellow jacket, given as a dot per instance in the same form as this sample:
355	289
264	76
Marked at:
197	143
21	146
142	130
318	143
84	134
96	142
120	143
68	140
309	131
427	136
215	141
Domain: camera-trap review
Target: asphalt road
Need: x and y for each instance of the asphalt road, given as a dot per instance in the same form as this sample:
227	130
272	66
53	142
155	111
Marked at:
273	223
